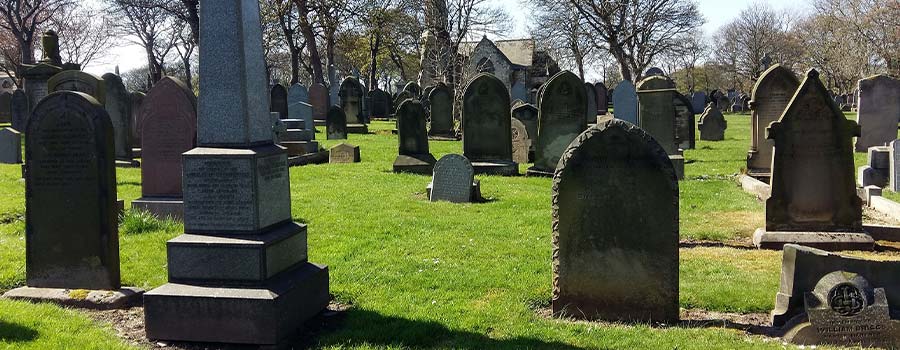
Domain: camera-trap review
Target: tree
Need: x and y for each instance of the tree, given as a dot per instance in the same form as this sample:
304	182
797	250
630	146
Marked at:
635	32
83	36
23	20
558	27
756	33
875	23
151	27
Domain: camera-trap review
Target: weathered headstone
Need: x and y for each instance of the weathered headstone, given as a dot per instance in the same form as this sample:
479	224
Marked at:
879	111
240	273
402	96
381	103
344	153
10	146
521	142
118	105
698	101
814	200
299	107
685	122
528	115
877	170
318	98
562	117
602	98
621	265
70	195
770	97
5	107
487	139
336	124
351	95
657	110
413	89
73	80
712	124
441	105
169	129
137	102
278	98
453	180
20	109
519	92
654	71
591	111
37	76
625	102
414	156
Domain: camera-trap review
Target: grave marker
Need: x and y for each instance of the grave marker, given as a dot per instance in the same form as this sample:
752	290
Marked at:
10	146
879	111
712	124
562	117
441	107
487	139
344	154
278	98
336	124
625	102
453	180
770	97
414	156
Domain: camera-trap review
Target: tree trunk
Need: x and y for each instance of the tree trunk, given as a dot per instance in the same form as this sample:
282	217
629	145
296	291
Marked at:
373	64
306	29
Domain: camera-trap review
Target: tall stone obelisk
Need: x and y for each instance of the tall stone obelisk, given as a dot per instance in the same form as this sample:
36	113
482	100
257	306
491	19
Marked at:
239	273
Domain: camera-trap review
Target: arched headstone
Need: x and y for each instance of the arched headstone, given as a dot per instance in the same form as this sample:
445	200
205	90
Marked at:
352	99
336	124
657	110
487	139
770	97
685	122
414	156
712	124
561	118
74	80
118	106
441	106
453	180
278	98
602	98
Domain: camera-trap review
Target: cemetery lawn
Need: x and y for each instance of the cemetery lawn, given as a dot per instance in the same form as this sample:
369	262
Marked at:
415	274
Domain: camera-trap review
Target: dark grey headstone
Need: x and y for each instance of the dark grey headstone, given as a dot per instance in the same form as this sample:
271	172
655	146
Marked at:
74	80
10	146
70	195
351	95
654	71
20	110
698	101
118	105
278	101
519	92
590	96
657	110
452	181
602	98
879	111
414	156
611	260
413	89
381	103
318	98
685	122
486	118
441	107
336	124
712	124
5	107
137	101
625	102
562	117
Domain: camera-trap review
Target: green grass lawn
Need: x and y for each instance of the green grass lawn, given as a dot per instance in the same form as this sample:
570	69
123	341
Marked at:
438	275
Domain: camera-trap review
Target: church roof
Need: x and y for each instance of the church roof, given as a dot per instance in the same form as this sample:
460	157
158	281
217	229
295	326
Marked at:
519	51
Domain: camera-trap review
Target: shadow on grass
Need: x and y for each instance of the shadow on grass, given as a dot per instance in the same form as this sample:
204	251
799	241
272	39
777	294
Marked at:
362	327
14	333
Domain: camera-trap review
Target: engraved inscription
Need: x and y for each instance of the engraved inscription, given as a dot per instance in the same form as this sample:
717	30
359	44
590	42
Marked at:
341	156
218	194
67	155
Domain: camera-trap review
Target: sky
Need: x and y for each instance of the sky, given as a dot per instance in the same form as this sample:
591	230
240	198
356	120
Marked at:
716	12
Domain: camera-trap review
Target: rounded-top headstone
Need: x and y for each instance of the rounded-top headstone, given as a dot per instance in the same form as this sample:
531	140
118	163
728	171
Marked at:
411	128
336	124
74	80
351	96
656	82
654	71
487	134
169	128
278	98
453	178
441	106
413	88
562	117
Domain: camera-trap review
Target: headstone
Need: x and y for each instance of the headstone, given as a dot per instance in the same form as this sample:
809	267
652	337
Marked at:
519	92
591	111
344	153
10	146
453	179
414	156
602	98
20	110
770	97
894	174
830	299
137	102
879	111
654	71
336	124
487	139
712	124
240	273
37	76
299	108
71	236
413	89
521	142
118	105
698	101
657	110
278	97
318	98
169	129
351	95
74	80
562	117
381	103
5	107
625	102
877	170
814	200
685	122
621	265
528	115
441	106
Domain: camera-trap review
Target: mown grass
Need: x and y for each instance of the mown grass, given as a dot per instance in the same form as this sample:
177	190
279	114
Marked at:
440	275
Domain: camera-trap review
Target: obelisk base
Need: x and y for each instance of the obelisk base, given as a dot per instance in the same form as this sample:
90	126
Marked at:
831	241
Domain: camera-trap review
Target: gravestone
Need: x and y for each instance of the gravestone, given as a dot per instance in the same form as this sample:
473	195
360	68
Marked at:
814	200
521	143
602	98
278	98
351	95
118	105
487	139
625	102
318	99
239	273
528	115
414	156
685	122
657	110
453	180
654	71
426	93
299	108
770	97
591	111
71	233
621	265
441	105
562	117
698	101
344	153
826	298
169	129
73	80
137	101
879	111
20	110
414	89
5	107
519	92
402	96
877	170
10	146
336	124
381	103
894	174
712	124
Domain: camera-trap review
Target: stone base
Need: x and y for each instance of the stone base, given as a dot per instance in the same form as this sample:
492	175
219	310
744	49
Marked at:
86	299
320	157
761	175
297	135
297	148
830	241
162	207
127	163
263	315
496	167
678	164
536	172
802	332
357	129
418	164
443	137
